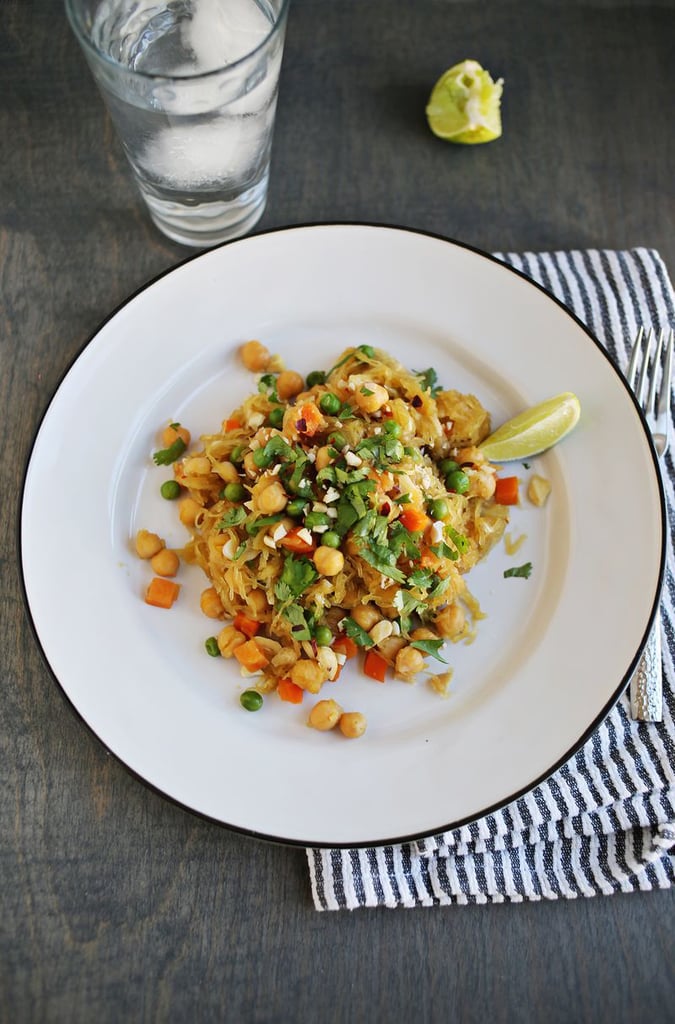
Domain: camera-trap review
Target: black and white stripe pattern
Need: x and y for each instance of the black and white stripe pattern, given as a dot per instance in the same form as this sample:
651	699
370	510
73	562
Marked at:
605	822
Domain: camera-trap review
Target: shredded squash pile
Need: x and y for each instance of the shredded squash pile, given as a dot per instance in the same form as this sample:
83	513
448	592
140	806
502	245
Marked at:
342	518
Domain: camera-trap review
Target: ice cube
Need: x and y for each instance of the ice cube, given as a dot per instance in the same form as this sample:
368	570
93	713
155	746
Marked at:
195	156
220	34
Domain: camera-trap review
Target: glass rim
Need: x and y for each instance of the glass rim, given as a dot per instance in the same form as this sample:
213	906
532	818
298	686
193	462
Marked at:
89	46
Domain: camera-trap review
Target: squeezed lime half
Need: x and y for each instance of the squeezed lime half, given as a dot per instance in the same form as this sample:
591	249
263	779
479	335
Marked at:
465	105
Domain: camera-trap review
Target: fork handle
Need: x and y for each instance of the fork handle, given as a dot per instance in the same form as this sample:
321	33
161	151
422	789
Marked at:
646	699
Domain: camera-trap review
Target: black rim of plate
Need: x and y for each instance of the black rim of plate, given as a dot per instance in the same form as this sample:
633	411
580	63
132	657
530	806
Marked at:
449	826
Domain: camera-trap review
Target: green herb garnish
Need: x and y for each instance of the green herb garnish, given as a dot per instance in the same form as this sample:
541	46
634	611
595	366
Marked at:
296	576
165	456
524	571
296	616
429	381
382	559
233	517
352	629
432	647
458	539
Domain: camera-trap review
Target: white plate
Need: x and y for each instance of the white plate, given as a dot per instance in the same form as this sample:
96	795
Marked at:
552	655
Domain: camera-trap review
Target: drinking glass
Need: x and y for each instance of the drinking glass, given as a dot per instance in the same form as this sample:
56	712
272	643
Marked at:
191	86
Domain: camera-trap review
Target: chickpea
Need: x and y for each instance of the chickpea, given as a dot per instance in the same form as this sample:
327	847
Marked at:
328	561
210	603
325	715
188	510
227	472
409	661
173	432
323	458
390	647
450	622
370	397
255	356
165	563
249	466
257	600
366	615
422	633
352	724
148	544
289	384
308	675
272	499
228	640
198	465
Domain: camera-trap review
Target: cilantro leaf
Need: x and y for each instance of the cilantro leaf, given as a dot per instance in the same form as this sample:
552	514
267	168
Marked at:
443	551
165	456
422	578
429	381
407	605
233	517
524	571
432	647
257	524
277	446
296	575
458	539
382	559
299	627
352	629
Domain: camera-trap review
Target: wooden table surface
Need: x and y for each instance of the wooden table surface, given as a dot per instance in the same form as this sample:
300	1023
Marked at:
116	904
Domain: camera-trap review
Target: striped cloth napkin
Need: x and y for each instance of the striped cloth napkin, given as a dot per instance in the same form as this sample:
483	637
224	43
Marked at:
605	821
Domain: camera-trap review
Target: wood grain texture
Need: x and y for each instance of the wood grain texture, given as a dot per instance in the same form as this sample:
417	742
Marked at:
115	904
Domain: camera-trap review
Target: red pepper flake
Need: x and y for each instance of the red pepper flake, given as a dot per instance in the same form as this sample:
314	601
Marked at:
416	402
385	508
387	414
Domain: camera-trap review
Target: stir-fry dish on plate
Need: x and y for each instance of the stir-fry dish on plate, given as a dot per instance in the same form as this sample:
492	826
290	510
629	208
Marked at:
335	516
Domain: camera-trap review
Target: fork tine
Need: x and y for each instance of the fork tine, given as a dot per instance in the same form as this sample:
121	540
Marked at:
664	397
651	395
634	356
640	388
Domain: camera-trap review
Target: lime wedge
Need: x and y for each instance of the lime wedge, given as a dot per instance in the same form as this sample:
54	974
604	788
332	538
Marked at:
464	105
534	430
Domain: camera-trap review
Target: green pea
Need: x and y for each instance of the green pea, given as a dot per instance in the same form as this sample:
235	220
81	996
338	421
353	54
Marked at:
276	416
330	404
237	454
261	458
367	350
170	489
330	539
393	428
438	508
446	466
212	648
296	507
323	636
338	440
234	492
457	481
315	377
251	700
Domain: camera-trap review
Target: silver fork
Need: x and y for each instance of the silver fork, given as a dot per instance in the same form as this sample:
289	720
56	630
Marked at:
646	699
